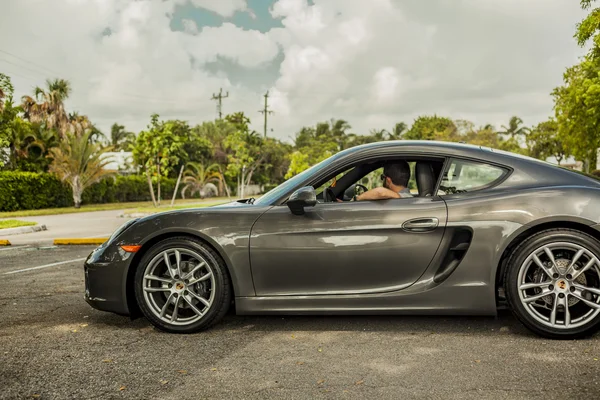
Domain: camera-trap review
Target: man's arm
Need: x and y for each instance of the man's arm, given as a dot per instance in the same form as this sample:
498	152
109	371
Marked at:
379	193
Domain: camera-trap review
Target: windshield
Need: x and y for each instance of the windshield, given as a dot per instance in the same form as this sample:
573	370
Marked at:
286	186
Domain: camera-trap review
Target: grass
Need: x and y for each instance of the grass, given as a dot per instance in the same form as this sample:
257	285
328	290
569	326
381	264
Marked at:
14	223
187	203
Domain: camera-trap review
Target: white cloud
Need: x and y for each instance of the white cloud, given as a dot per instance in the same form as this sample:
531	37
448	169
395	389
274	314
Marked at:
373	65
140	68
189	26
393	60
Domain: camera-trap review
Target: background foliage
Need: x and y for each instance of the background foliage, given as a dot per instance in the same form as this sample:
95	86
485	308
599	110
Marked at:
226	153
31	191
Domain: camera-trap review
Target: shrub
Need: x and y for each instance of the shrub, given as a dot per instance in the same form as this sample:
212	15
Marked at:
126	188
30	191
596	173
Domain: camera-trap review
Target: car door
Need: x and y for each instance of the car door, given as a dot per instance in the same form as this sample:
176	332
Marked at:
345	248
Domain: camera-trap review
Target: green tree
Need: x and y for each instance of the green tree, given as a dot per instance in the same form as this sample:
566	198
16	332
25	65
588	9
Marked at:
431	128
485	136
6	93
79	162
47	105
314	144
577	108
545	141
589	28
15	133
159	150
245	156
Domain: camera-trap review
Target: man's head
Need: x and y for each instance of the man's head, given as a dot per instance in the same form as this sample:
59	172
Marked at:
396	175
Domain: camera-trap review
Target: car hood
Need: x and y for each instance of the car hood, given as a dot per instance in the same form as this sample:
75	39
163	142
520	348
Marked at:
236	203
219	208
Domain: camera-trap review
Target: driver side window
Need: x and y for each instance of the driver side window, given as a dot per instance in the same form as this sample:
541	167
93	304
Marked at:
373	179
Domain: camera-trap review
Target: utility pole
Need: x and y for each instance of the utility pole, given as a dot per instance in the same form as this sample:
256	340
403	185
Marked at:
266	111
219	99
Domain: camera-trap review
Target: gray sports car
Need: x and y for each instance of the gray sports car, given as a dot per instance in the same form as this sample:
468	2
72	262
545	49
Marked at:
483	228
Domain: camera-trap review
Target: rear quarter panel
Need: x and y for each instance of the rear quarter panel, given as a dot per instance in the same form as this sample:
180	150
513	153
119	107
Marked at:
497	217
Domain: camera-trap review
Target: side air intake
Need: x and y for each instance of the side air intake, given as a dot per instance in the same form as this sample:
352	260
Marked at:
461	240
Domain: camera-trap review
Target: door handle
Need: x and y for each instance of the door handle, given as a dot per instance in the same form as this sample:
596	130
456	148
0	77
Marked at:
421	224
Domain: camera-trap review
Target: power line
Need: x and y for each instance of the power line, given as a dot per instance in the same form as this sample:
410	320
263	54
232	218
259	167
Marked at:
219	99
265	111
43	68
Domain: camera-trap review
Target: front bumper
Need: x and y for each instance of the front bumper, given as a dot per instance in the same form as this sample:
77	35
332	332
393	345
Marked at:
106	270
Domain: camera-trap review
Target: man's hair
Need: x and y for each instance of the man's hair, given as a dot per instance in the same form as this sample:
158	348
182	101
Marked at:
398	172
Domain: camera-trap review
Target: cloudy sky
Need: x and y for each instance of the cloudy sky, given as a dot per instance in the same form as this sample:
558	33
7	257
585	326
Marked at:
371	62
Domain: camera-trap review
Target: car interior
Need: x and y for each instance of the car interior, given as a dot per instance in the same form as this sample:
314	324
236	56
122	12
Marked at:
357	179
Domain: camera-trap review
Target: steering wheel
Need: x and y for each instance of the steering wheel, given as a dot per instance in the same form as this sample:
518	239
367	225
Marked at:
359	186
329	195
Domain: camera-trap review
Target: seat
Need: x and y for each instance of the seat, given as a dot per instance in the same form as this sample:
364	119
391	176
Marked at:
425	178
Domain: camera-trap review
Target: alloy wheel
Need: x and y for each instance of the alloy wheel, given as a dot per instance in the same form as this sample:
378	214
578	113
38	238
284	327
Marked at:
559	285
178	286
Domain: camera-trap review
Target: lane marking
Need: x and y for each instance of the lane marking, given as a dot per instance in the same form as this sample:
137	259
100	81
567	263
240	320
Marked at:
44	266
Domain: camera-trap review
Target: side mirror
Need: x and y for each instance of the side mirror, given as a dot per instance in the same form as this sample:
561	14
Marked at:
301	198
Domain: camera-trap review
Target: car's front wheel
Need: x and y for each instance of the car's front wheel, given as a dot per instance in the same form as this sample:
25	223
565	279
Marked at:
552	284
182	285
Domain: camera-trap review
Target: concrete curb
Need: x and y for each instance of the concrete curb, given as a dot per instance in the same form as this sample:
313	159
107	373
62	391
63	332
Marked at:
79	241
4	243
22	229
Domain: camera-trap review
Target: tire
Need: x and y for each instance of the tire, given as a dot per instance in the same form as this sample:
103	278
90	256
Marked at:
546	294
176	274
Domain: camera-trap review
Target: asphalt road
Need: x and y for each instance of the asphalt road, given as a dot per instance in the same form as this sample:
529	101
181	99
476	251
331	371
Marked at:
54	346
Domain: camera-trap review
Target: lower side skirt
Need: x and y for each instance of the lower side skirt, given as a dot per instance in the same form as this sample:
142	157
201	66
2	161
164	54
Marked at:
472	300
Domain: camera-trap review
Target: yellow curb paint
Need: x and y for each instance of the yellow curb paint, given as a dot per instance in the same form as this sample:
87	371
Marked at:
4	243
58	242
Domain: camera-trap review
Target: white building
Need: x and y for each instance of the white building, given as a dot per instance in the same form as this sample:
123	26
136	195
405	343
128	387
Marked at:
121	161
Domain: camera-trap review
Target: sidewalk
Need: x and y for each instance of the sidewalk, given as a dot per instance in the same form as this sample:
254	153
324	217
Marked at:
78	225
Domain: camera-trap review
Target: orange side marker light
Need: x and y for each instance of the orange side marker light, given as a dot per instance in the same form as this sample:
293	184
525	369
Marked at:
131	248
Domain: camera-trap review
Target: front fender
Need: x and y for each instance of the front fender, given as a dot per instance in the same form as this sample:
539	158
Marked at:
225	229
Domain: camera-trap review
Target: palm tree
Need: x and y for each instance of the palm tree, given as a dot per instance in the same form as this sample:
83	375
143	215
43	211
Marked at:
514	128
47	105
78	124
79	162
198	179
120	138
398	131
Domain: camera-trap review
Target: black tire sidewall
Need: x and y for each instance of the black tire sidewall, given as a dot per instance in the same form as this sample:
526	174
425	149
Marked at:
221	290
511	281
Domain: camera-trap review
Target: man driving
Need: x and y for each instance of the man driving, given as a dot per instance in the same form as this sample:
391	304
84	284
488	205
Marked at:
395	179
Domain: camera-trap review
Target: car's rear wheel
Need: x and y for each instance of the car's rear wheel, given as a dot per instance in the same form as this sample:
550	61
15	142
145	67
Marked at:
552	284
182	285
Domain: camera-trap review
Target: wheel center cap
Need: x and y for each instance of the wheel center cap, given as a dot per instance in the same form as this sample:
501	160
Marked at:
562	284
179	286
